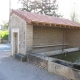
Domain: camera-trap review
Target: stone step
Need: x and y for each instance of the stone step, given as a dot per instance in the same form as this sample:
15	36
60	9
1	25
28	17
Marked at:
20	57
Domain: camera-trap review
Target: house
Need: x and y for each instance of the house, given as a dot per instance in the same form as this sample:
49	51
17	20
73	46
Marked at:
36	33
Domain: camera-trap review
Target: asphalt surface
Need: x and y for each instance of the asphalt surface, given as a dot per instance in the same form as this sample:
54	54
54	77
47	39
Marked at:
12	69
5	47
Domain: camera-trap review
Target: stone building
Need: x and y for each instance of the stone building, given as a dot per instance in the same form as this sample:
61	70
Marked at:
36	33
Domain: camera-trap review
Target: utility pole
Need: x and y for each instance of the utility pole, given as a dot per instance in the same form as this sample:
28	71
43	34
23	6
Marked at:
9	20
9	7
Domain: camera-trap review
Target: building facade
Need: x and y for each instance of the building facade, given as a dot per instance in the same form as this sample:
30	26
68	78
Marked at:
37	33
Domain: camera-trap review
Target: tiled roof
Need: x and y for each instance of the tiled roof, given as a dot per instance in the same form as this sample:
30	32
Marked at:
40	18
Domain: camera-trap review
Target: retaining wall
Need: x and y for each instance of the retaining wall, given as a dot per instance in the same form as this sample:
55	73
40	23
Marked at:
64	69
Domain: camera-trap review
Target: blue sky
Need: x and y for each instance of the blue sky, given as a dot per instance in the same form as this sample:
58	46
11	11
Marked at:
66	7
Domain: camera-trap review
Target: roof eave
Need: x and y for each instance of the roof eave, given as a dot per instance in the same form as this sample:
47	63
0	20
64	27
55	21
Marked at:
54	25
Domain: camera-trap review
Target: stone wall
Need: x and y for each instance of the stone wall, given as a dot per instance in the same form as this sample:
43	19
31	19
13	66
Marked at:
55	66
48	36
73	37
4	41
62	70
29	37
18	23
38	60
51	36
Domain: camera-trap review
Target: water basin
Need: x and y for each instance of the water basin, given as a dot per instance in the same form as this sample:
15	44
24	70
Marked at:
73	57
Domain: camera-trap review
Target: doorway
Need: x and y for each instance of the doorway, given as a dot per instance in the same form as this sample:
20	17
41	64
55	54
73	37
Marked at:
15	41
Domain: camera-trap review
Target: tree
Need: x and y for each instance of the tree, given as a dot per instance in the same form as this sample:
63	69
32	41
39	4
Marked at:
5	25
74	17
48	7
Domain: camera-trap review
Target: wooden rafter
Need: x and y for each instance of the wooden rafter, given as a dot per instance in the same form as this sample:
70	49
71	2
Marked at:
54	25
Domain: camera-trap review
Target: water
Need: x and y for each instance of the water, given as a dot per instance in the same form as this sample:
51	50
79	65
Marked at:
73	57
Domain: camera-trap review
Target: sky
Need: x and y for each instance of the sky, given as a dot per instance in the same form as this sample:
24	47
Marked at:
66	8
4	9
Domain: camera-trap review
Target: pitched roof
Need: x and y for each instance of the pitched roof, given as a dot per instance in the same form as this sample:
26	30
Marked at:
33	18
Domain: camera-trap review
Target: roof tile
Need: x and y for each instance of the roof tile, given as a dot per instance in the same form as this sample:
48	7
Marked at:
31	17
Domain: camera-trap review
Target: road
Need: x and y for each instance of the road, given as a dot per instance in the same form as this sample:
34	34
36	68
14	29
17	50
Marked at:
12	69
5	47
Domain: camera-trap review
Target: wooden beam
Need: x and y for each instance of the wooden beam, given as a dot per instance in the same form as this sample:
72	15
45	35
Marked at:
68	26
41	23
54	25
50	24
34	22
60	25
47	24
78	27
64	26
72	27
75	27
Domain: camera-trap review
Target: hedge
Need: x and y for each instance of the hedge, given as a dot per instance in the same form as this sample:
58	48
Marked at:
4	34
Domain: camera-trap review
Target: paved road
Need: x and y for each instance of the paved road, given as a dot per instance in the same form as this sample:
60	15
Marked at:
12	69
5	47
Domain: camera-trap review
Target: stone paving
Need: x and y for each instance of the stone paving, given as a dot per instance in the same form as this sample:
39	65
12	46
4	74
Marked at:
12	69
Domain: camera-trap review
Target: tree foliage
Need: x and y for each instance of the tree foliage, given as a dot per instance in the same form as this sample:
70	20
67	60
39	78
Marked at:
74	17
4	34
5	24
74	14
48	7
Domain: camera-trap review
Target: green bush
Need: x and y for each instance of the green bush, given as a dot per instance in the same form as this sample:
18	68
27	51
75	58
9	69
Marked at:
4	35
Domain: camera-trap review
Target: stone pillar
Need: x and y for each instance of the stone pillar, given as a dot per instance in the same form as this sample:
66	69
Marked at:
29	38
